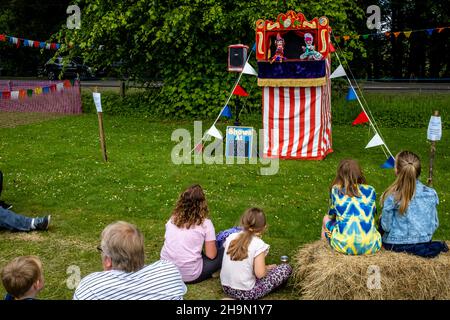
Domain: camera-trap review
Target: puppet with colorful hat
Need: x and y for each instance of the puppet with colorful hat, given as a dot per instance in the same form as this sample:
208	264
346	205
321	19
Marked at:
279	53
310	52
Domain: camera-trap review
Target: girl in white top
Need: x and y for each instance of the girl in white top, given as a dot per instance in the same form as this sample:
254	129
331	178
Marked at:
244	273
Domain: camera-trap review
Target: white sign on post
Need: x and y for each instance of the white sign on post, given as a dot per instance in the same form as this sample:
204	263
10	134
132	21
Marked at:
97	101
434	132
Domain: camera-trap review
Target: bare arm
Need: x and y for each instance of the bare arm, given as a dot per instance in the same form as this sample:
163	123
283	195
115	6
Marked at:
210	249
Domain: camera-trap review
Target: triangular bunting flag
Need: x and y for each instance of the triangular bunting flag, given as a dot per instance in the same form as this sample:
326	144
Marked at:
199	147
387	34
430	31
365	36
59	86
226	112
339	72
14	95
361	118
439	30
332	49
376	141
30	92
407	33
6	95
38	91
46	90
213	132
239	91
2	37
254	47
248	69
346	38
396	34
351	95
389	164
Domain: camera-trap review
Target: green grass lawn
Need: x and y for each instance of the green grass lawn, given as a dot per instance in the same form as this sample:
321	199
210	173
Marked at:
55	167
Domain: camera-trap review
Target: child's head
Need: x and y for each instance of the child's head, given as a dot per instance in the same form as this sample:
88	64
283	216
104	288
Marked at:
23	277
191	208
407	170
348	176
253	222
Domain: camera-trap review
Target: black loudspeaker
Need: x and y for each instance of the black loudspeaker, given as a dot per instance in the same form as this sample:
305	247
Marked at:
237	56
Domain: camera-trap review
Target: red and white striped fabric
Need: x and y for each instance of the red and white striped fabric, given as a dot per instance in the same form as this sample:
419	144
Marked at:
297	121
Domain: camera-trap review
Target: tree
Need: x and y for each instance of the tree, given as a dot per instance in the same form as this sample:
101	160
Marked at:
185	42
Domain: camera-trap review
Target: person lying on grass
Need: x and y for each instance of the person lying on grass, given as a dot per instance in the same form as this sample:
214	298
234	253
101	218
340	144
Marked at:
12	221
349	226
188	230
244	274
409	217
23	278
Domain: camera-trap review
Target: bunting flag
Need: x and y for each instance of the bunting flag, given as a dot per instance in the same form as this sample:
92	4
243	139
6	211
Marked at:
389	164
248	69
376	141
361	118
20	94
226	112
199	147
351	95
213	132
339	72
29	43
239	91
388	34
254	47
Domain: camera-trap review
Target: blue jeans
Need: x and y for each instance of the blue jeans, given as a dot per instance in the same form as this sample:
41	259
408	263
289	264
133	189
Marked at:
427	250
13	221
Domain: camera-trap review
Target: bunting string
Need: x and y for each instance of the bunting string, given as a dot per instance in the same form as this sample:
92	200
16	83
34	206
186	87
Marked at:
388	34
20	42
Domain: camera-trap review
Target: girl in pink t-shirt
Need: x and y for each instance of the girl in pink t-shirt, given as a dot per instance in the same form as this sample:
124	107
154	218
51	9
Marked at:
189	230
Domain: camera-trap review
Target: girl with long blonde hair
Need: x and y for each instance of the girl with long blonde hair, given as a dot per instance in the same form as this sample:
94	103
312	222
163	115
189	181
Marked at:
244	274
409	217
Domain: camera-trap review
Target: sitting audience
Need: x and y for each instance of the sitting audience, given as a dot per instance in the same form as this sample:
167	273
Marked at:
409	217
189	230
125	277
350	224
23	278
244	274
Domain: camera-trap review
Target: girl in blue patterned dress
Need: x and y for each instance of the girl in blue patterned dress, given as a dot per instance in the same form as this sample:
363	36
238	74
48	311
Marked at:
349	226
409	216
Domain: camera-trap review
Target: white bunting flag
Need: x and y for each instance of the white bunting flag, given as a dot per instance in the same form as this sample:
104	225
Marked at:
376	141
248	69
339	72
14	95
97	101
59	86
213	132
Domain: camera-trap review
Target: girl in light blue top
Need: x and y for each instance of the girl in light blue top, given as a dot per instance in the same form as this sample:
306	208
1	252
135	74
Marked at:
409	217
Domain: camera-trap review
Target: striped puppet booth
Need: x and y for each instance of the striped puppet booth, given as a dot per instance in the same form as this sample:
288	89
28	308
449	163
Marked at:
294	72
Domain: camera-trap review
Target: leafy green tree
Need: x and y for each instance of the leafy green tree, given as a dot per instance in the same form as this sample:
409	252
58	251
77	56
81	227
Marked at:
185	42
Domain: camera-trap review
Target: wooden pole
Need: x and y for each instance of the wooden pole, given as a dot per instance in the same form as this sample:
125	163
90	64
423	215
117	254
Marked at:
102	134
432	154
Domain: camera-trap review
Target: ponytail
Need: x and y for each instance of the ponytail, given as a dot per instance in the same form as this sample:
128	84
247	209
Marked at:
408	169
253	222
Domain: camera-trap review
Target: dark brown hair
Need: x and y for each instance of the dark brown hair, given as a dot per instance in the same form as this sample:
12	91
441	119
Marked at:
191	208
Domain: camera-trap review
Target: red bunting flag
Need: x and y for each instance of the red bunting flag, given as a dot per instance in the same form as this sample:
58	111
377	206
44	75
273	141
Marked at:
6	95
440	30
332	49
2	37
396	34
67	84
199	147
361	118
239	91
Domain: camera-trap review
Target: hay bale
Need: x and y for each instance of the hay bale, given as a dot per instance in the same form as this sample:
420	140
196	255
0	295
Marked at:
320	273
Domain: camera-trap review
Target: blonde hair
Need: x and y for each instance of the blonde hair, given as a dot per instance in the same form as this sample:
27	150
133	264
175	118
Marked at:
191	208
19	275
253	221
124	244
403	189
348	176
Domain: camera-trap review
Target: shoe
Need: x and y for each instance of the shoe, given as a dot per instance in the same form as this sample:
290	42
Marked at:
42	223
5	205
